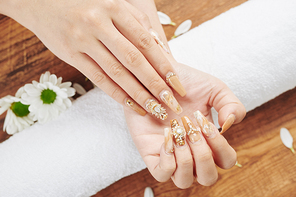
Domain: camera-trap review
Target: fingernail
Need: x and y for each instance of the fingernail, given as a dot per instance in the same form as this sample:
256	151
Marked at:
175	83
178	133
134	106
155	35
204	124
193	132
227	124
168	98
168	141
156	109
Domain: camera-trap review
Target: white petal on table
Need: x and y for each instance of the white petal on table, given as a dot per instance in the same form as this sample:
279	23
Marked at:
148	192
183	28
287	139
79	89
165	19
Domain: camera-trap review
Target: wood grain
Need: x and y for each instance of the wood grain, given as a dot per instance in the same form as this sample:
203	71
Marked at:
268	166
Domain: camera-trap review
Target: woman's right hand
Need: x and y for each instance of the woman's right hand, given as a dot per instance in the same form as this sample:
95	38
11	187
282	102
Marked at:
110	41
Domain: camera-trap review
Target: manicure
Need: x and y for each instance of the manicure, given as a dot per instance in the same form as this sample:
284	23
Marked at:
168	98
193	132
168	141
206	127
178	133
155	35
175	83
134	106
227	124
156	109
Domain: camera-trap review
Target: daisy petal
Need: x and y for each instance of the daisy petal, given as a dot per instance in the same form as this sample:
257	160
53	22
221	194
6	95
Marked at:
183	28
165	19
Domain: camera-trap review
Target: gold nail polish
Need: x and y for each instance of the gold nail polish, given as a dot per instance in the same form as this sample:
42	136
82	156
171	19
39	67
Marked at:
168	141
178	133
156	109
134	106
204	124
155	35
168	98
175	83
227	124
193	132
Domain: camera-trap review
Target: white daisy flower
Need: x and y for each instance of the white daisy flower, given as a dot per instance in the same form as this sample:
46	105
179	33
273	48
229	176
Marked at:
48	97
18	116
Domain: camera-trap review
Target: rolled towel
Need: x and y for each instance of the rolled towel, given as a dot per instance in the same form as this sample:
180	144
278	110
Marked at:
250	47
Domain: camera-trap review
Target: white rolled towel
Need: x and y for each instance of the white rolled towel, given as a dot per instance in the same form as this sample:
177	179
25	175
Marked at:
250	47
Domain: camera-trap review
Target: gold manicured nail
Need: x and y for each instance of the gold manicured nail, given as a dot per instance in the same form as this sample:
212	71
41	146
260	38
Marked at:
156	109
179	133
227	124
175	83
204	124
134	106
155	35
168	141
193	132
168	98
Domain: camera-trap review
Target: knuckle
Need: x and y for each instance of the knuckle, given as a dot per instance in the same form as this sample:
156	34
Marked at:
145	41
98	77
204	157
132	58
143	17
154	83
111	5
188	162
116	93
138	94
116	69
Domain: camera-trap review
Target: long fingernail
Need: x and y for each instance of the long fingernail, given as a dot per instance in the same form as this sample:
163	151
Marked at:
156	109
193	132
155	35
168	141
168	98
204	124
175	83
134	106
227	124
178	133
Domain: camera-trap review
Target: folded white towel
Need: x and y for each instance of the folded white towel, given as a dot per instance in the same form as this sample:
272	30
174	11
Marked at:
251	48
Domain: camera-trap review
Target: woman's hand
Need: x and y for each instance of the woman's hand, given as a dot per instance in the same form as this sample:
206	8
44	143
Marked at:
110	41
201	150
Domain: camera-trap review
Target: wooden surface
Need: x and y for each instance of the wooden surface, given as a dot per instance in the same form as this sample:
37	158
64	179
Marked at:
268	166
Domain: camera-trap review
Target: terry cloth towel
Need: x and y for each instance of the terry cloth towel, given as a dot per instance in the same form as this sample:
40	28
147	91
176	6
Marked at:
250	47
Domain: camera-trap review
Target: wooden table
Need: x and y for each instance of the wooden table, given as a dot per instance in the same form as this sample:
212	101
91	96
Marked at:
268	166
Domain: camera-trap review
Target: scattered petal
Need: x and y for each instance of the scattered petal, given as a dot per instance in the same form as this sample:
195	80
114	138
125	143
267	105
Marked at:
183	28
165	19
287	139
79	89
148	192
238	165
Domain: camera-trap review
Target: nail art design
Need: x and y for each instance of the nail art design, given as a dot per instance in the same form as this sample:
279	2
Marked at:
134	106
175	83
204	124
193	132
168	141
227	124
155	35
178	133
156	109
168	98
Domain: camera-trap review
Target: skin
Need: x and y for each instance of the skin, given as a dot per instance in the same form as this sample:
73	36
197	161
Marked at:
108	41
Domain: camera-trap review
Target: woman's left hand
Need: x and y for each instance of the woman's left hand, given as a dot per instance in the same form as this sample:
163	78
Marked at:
201	151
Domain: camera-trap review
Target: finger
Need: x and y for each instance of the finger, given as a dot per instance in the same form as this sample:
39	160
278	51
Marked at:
121	76
230	109
183	176
206	171
93	71
165	163
224	155
132	29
